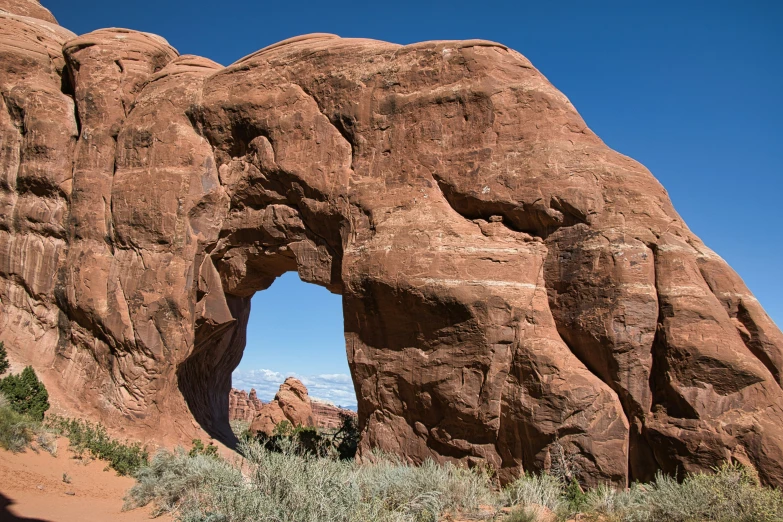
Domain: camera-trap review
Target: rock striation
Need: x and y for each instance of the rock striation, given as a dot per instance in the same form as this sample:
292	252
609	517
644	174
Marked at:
511	285
291	403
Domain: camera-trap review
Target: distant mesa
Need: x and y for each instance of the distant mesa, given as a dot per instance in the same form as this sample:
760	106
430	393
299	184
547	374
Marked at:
514	291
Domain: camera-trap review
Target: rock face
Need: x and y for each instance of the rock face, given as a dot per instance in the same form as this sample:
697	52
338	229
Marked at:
327	415
291	403
243	406
510	284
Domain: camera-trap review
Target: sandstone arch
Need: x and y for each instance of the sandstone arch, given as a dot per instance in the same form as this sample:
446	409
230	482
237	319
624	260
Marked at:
511	285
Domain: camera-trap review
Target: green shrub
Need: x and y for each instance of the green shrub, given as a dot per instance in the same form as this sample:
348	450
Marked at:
26	394
575	497
305	440
210	450
347	437
16	430
4	364
123	457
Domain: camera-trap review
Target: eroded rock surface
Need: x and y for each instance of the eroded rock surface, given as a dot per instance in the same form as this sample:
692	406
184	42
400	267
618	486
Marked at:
511	286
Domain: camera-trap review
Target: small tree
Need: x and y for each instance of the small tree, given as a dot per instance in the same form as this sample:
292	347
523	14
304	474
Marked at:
348	435
4	364
26	394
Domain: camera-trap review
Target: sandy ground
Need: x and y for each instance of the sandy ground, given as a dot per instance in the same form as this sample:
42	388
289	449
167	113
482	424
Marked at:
32	489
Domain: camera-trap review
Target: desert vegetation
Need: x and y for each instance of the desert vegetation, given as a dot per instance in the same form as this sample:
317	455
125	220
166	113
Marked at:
24	393
91	440
340	443
24	402
289	482
292	484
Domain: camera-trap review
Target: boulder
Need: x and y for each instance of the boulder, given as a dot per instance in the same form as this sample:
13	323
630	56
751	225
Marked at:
514	291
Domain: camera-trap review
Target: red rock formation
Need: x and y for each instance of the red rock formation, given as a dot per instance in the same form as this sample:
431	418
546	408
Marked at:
328	416
246	407
511	285
243	406
291	403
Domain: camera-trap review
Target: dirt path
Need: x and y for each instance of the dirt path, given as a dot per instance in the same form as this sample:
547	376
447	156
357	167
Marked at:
32	489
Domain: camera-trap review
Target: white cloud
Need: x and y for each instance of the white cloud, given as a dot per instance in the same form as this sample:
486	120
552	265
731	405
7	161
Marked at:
336	388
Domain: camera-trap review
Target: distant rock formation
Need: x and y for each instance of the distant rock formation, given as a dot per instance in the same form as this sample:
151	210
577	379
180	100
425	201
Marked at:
328	416
246	407
291	403
513	289
243	406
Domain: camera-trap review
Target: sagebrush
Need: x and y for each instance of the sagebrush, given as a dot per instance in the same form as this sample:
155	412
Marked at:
730	493
292	485
295	486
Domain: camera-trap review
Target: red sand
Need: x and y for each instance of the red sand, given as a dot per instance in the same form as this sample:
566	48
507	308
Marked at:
32	489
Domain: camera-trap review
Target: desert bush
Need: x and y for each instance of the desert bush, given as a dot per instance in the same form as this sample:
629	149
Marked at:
4	364
731	494
615	505
26	394
336	444
198	448
291	486
522	514
347	437
84	436
46	440
531	490
16	430
174	481
423	492
288	485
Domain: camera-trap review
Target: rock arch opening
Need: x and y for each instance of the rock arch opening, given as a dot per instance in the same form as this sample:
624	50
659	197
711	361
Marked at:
296	329
256	246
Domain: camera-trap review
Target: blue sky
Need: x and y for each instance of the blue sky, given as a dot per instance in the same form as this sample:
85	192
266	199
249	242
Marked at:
692	89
